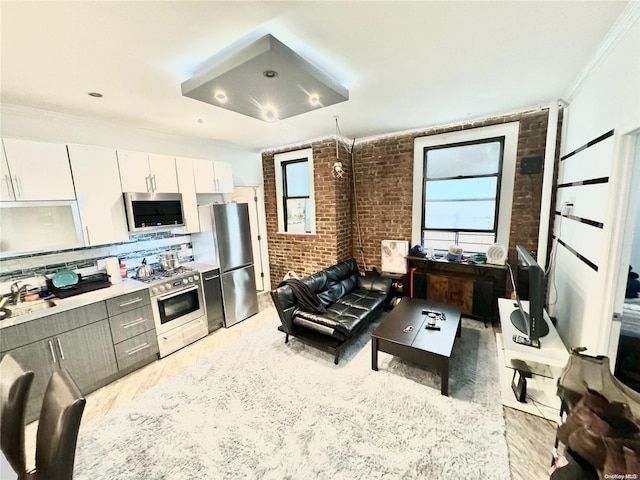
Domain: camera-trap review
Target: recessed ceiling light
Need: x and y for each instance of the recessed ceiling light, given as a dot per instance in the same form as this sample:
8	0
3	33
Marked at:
221	96
270	73
95	94
314	99
269	114
200	121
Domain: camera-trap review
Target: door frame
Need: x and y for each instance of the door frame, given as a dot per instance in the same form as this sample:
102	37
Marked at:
624	201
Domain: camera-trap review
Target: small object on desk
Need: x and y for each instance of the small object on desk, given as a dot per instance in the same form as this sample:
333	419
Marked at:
519	386
407	329
431	319
526	341
431	327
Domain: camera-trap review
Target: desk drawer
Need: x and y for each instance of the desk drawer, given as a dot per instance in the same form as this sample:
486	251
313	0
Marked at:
131	323
137	349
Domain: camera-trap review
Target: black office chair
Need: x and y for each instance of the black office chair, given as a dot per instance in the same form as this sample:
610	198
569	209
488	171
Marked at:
15	384
60	417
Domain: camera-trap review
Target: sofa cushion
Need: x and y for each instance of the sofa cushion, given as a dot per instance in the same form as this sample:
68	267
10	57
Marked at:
345	314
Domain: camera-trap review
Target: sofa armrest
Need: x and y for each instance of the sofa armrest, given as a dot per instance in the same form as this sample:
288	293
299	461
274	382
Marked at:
285	304
375	284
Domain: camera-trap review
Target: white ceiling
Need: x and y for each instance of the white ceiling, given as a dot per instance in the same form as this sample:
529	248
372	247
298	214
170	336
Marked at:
406	64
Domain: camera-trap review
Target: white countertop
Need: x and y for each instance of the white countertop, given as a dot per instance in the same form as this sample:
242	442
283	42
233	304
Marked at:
127	285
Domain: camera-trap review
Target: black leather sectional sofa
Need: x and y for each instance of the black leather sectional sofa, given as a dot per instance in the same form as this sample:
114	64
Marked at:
350	301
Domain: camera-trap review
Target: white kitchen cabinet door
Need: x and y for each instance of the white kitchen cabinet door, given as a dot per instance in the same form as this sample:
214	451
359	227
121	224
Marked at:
204	176
163	173
39	170
224	177
6	185
184	169
97	181
134	171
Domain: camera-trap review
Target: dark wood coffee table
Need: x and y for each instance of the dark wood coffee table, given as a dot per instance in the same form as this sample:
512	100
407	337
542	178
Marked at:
418	344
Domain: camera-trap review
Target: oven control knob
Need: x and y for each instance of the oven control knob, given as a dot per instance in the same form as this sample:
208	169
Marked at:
190	279
161	288
196	278
154	290
185	281
167	286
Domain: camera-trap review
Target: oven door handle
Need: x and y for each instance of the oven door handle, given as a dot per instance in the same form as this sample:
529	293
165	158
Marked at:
180	292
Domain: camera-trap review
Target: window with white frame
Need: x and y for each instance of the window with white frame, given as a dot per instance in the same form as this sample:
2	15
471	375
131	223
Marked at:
463	188
295	192
461	191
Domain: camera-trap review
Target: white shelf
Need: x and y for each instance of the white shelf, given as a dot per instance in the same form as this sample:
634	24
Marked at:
549	359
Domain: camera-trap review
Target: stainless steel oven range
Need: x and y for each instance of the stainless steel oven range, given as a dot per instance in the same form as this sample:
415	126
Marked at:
178	308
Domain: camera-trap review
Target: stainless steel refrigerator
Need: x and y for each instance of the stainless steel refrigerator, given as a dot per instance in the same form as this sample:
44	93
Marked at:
225	240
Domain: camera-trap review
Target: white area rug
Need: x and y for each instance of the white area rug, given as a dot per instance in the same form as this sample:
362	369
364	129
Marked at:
263	409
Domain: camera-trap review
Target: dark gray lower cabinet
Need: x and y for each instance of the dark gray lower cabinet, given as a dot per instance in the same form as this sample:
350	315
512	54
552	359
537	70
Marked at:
213	299
78	340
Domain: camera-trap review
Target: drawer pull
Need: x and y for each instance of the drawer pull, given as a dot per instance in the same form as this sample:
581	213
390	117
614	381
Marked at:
131	302
134	323
137	349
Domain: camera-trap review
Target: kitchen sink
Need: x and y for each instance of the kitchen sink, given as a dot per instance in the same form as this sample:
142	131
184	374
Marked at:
29	307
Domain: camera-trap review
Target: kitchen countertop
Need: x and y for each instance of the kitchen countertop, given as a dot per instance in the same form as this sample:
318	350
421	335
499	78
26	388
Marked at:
127	285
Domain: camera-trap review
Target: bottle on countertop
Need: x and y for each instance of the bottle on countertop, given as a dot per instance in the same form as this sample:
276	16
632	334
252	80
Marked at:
123	270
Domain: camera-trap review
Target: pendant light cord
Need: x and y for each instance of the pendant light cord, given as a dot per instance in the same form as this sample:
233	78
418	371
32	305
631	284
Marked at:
355	202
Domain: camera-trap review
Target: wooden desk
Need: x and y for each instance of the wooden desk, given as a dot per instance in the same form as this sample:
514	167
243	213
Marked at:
474	288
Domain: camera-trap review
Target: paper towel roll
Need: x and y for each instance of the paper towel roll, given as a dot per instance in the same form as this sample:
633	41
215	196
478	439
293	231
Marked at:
113	270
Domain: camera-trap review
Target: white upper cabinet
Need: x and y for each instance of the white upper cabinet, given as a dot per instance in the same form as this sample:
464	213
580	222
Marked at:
144	172
224	176
163	173
37	171
97	182
184	169
212	177
6	187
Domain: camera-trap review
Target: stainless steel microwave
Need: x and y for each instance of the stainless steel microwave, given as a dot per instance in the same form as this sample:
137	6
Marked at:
146	211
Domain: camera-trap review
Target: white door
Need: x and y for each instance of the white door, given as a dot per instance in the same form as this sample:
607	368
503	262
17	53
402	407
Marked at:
6	185
134	171
163	173
250	196
40	170
97	181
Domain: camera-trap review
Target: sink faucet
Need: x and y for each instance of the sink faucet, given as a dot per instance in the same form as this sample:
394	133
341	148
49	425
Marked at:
17	293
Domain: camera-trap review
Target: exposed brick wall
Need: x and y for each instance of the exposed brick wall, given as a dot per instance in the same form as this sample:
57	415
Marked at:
384	185
306	254
383	198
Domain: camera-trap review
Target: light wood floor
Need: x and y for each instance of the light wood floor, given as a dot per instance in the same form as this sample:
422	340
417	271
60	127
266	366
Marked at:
529	438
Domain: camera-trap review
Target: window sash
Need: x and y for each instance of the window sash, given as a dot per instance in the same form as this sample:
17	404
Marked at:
460	233
288	223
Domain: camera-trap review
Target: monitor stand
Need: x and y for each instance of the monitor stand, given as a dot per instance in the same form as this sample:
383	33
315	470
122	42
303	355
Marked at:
519	321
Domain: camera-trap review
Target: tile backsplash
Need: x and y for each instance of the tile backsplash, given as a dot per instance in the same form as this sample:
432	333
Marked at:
32	268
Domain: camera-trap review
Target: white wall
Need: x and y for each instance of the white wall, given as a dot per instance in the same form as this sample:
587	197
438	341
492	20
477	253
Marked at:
43	125
607	98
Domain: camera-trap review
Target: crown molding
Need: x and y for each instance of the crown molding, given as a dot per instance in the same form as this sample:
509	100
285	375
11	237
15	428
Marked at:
618	30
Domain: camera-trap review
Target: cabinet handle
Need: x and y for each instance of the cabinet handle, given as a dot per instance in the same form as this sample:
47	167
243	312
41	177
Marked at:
217	186
154	186
147	181
7	180
53	354
206	279
136	322
18	190
88	237
60	347
137	349
131	302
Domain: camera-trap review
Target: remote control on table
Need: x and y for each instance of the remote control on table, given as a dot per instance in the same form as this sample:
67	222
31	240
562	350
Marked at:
526	341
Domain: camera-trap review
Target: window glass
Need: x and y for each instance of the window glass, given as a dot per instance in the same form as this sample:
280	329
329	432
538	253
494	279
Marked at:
297	178
464	160
297	215
463	189
465	215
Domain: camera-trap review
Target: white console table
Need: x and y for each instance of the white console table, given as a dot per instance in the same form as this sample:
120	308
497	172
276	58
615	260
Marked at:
545	364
